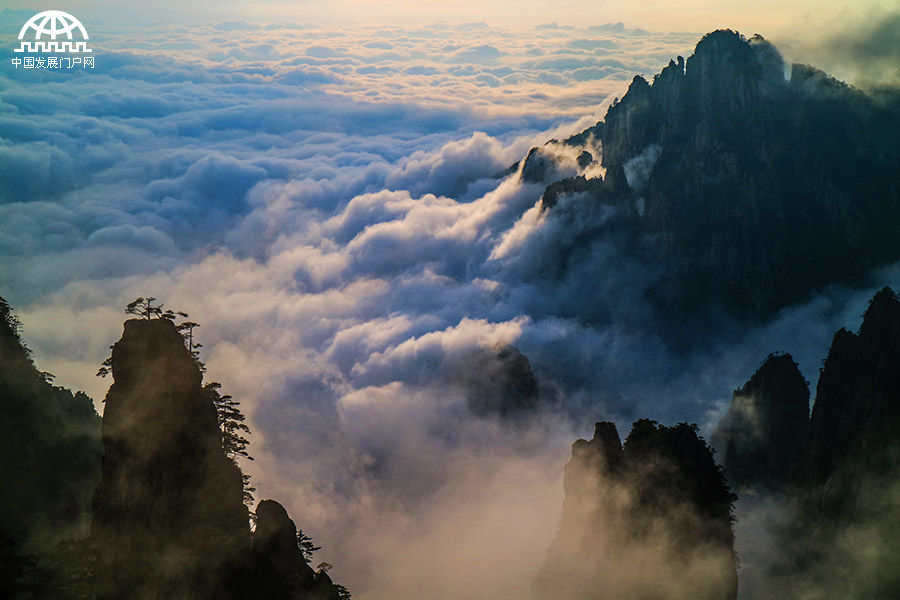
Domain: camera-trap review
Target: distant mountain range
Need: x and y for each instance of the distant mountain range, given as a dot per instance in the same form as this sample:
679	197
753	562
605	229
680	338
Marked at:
754	183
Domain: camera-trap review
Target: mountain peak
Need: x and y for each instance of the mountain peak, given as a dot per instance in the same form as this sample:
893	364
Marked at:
756	188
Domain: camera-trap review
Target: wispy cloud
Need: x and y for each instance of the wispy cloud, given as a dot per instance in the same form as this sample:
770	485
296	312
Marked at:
323	201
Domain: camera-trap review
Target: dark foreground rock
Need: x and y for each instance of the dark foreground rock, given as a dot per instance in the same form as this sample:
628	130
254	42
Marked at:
169	517
648	519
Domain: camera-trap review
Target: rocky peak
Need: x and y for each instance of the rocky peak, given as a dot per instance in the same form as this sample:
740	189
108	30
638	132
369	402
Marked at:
592	461
764	433
167	489
652	515
275	531
881	321
150	349
842	474
501	381
854	419
279	568
607	435
760	190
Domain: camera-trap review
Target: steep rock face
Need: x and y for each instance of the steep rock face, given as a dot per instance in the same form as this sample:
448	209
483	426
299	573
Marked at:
169	519
650	519
763	436
279	570
760	189
857	412
501	383
842	478
51	462
847	497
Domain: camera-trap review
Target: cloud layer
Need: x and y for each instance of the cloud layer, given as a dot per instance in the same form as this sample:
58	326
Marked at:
324	202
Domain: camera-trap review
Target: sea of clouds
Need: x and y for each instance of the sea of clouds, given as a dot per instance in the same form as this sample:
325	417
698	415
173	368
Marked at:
324	201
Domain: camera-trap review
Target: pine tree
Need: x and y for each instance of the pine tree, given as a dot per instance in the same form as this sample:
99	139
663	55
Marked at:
233	428
146	308
231	422
306	545
106	366
186	330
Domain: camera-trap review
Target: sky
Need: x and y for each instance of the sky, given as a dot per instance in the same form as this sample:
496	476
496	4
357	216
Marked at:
315	184
693	15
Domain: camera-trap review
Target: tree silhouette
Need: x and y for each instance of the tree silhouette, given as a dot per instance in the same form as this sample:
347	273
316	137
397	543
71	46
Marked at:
106	366
248	488
233	428
307	546
11	320
230	418
231	422
146	308
186	330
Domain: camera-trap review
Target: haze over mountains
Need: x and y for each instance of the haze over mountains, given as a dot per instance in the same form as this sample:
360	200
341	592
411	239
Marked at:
389	329
757	189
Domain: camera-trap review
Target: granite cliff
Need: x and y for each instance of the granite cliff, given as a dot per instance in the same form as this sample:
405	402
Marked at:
757	183
763	436
169	514
838	468
50	465
651	518
169	519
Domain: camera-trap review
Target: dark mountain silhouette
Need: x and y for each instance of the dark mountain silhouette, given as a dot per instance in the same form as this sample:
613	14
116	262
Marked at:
650	519
856	415
169	519
169	514
846	528
842	473
763	436
50	463
279	568
757	189
501	382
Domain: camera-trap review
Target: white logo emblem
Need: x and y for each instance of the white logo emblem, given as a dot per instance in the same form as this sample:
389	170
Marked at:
53	24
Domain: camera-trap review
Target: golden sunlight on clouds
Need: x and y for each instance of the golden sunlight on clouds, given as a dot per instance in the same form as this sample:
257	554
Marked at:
685	15
766	16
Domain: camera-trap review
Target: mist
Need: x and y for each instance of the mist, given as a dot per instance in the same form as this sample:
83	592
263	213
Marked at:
373	270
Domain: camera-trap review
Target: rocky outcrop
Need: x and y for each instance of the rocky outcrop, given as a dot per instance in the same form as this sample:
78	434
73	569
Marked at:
280	571
536	165
853	427
761	189
847	497
651	518
856	415
840	477
50	464
501	382
169	519
763	436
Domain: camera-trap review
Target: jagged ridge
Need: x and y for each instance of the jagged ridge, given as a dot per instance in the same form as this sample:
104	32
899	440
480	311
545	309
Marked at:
757	189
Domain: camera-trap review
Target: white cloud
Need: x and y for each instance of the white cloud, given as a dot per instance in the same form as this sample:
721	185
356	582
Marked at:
326	208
